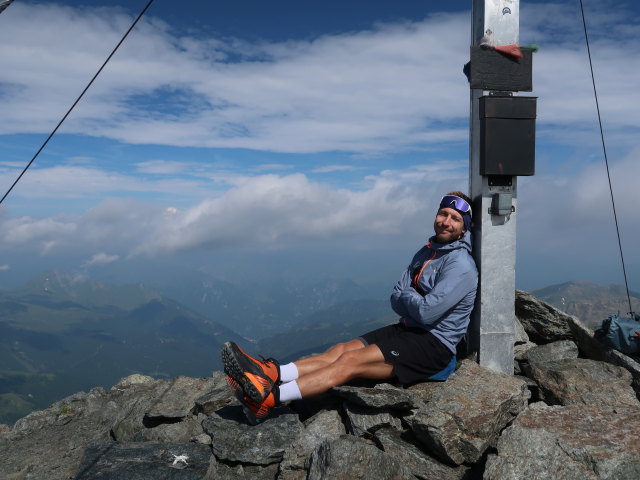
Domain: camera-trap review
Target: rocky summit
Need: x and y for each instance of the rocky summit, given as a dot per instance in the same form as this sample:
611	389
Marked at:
570	411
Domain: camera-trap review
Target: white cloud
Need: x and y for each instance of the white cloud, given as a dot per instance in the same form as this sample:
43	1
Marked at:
101	259
5	267
265	211
372	90
76	181
335	168
271	167
393	88
162	167
566	222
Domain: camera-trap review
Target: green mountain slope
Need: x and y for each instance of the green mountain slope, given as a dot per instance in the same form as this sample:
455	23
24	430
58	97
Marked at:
57	338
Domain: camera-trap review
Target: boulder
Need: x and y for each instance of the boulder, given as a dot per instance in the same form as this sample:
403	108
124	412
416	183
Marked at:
520	351
580	381
352	458
404	446
50	443
383	395
570	443
464	416
590	347
520	336
142	461
542	322
552	351
234	440
362	420
178	396
222	471
216	397
326	425
186	430
146	405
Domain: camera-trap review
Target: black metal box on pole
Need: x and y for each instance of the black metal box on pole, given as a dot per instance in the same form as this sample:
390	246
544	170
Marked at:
507	135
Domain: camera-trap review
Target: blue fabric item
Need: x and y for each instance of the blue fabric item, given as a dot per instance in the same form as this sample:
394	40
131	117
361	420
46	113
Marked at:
620	333
443	374
444	296
466	218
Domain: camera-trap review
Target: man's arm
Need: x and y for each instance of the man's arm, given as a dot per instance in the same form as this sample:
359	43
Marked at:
396	303
454	284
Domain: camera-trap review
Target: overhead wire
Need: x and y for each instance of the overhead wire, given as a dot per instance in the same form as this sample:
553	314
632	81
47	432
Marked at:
44	144
606	161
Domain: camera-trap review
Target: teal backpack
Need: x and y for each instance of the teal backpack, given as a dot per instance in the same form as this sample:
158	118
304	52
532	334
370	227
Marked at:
621	333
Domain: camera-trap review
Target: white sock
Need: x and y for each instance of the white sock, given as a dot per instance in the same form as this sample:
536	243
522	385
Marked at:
288	372
289	391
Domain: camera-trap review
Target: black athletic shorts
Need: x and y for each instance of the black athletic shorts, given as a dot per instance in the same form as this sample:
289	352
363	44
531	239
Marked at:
414	353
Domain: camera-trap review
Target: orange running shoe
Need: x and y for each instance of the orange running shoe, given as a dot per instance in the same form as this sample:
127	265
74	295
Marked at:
255	412
255	377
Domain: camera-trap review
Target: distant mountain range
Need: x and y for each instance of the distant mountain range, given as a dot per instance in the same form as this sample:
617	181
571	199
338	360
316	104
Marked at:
259	310
589	302
61	333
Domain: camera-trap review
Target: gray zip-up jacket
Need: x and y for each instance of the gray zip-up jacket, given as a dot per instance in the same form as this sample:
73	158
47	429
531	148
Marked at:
442	299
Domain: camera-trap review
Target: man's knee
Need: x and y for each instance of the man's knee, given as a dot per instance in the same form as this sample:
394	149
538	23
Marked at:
341	348
349	359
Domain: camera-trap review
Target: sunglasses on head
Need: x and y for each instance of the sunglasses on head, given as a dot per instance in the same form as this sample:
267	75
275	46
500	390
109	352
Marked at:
455	202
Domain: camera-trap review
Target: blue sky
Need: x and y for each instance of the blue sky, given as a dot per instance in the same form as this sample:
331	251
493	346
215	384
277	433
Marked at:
298	135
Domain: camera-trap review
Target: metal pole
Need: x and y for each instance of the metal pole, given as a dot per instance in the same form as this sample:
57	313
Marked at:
491	332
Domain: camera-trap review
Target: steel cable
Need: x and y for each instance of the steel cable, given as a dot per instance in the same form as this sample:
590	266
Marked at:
77	100
606	161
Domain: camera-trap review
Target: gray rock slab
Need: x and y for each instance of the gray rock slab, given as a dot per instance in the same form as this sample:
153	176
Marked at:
234	440
177	399
222	471
325	425
352	458
520	333
463	416
580	381
365	420
144	461
520	350
569	443
403	446
592	348
552	351
133	402
381	396
135	379
542	322
183	431
49	444
219	395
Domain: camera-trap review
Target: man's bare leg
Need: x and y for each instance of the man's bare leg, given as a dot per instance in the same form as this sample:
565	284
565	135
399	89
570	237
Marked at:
364	362
316	362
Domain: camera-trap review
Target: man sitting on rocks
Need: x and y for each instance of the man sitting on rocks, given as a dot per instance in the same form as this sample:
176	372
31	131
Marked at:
434	298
